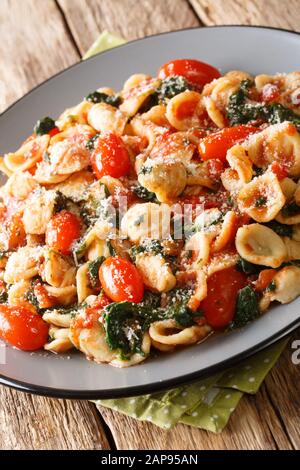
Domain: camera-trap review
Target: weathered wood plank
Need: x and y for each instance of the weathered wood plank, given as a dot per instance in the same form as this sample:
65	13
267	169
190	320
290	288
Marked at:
282	386
255	12
130	19
34	45
32	422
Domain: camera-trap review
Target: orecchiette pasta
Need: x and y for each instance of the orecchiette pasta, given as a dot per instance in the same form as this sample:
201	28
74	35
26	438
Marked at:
145	218
259	244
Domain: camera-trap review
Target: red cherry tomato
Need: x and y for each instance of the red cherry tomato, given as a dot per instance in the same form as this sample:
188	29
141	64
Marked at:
54	131
222	290
279	170
196	72
270	92
216	145
215	168
110	157
121	280
62	230
22	328
265	278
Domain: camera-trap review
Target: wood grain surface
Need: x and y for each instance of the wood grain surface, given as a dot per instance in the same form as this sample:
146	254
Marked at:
37	39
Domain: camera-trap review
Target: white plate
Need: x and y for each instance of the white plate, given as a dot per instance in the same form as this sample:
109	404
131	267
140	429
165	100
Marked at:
253	49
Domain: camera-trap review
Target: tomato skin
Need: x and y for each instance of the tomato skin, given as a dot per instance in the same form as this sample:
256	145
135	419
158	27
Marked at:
22	328
222	290
54	131
215	168
270	92
44	299
216	145
110	157
121	280
62	230
279	170
265	278
196	72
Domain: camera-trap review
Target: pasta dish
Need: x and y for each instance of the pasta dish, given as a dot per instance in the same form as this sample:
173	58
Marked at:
147	219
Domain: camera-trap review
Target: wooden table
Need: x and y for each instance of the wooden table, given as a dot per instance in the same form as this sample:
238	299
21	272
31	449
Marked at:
37	39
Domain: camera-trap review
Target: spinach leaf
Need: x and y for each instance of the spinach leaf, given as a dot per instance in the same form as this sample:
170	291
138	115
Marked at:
246	267
282	230
290	209
172	86
98	97
90	145
44	126
247	308
3	296
241	111
126	322
125	325
147	246
93	270
168	88
144	194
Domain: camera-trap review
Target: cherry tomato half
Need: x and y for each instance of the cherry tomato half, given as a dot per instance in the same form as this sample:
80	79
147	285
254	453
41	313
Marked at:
222	290
62	230
196	72
54	131
22	328
279	170
265	278
121	280
110	157
216	145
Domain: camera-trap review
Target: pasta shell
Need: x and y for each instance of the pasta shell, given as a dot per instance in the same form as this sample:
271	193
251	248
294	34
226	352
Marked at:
287	285
106	118
166	179
262	198
156	273
184	110
259	244
163	332
146	220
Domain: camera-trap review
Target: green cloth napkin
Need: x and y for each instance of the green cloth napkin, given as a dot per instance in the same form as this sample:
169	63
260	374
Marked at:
207	403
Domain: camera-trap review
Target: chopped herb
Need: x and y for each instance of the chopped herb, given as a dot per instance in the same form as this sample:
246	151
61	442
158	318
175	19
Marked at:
3	296
172	86
144	194
90	145
92	205
46	157
271	287
246	267
151	300
290	209
147	246
99	97
93	270
112	251
145	170
44	126
61	202
247	308
260	201
31	297
281	229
